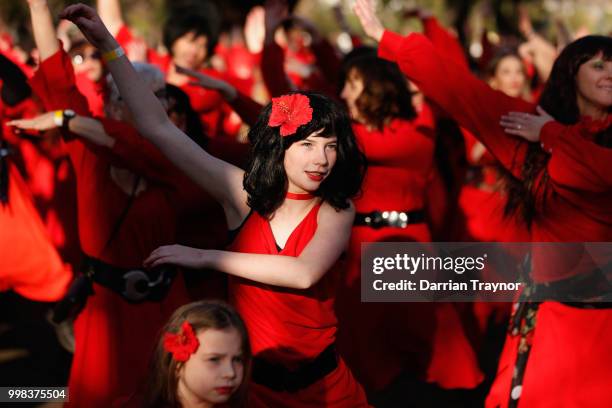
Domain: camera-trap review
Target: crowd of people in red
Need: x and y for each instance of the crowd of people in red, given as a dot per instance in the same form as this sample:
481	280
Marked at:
250	166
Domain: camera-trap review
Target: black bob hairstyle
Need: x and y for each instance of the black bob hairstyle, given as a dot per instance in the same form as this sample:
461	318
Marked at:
180	24
265	179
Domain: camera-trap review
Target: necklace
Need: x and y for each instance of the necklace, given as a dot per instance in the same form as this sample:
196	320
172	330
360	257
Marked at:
301	196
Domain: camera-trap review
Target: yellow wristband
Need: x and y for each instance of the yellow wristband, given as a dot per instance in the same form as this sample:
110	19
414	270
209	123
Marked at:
113	54
58	117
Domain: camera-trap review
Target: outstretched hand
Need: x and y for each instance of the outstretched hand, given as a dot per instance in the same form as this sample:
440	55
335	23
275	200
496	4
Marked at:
208	82
525	125
180	255
365	11
90	25
41	123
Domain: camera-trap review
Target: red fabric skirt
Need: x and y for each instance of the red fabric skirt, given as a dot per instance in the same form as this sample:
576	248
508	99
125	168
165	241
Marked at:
381	340
569	365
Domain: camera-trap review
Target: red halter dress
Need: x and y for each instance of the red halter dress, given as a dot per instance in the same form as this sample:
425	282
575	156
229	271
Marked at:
288	326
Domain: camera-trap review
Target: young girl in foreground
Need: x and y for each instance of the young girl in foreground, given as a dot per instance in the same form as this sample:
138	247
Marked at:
202	359
293	211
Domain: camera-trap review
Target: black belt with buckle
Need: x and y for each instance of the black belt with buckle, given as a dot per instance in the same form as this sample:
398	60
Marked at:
395	219
277	377
135	286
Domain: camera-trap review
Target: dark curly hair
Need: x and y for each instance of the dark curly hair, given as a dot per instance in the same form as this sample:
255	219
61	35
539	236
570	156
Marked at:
265	179
559	99
385	92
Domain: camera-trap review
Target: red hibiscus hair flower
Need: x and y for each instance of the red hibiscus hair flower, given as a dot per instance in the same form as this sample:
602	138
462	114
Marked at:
182	344
290	112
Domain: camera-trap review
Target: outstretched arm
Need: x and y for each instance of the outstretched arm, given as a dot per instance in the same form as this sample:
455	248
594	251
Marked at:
222	180
302	272
245	107
88	128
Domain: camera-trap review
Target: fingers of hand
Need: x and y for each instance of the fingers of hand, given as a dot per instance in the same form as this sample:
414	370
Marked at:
516	132
512	123
159	252
21	124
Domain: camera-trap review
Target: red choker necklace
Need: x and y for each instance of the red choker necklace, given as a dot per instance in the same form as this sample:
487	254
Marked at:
302	196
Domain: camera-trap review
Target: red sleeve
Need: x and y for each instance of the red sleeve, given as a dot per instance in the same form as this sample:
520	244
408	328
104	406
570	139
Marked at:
273	70
327	59
444	42
576	163
55	85
471	102
246	108
124	36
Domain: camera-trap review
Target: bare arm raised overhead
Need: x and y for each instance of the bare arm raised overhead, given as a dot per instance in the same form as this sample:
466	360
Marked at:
44	31
222	180
110	13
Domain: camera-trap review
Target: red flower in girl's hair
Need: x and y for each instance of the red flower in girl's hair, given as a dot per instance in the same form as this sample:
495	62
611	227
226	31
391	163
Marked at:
182	344
290	112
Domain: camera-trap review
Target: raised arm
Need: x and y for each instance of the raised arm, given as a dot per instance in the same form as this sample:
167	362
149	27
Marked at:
470	101
537	48
302	272
110	13
444	42
273	59
222	180
44	30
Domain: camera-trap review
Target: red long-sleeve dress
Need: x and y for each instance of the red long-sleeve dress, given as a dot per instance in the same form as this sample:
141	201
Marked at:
569	362
400	336
289	326
400	160
113	338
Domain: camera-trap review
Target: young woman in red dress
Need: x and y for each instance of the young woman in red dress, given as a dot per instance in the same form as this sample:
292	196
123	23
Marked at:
556	354
294	217
400	159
